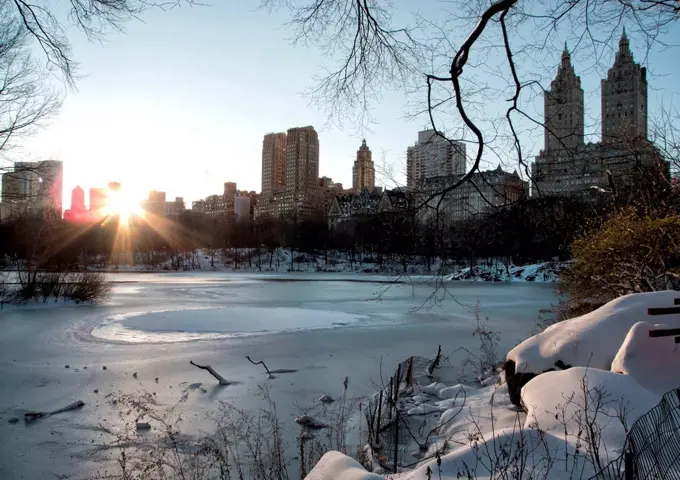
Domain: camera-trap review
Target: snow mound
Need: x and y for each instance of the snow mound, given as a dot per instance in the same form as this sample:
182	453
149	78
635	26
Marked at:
592	339
336	466
542	456
651	361
568	400
433	388
453	392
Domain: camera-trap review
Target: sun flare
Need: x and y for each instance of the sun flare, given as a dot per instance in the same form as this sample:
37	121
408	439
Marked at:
122	205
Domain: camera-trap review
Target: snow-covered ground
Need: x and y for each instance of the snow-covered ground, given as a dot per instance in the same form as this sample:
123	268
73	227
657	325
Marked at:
576	419
325	326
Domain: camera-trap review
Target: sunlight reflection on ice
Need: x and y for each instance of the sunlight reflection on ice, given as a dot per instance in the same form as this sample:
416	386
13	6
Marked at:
221	322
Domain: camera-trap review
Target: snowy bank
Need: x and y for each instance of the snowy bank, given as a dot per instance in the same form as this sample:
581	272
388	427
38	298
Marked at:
498	272
575	420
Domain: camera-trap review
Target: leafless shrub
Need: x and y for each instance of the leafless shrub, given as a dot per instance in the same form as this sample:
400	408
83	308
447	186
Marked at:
245	443
486	361
87	287
53	286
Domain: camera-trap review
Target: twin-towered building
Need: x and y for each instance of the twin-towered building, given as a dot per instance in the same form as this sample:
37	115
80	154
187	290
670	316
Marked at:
569	166
290	173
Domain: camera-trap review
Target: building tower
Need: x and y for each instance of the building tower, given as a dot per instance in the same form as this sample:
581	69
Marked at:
98	199
13	187
564	109
77	201
273	163
302	159
433	156
624	98
363	171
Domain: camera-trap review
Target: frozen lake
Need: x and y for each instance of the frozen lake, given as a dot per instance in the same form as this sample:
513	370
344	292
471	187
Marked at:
326	326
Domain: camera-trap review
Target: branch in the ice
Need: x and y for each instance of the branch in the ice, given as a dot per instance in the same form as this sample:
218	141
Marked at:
271	372
30	416
212	372
435	364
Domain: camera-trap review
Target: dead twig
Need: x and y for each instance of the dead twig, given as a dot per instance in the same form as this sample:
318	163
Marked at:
212	372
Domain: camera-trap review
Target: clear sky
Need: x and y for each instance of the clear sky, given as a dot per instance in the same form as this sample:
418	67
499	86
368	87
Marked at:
180	103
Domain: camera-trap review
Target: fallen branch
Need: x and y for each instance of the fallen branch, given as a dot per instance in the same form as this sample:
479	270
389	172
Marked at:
212	372
271	372
260	363
30	416
435	364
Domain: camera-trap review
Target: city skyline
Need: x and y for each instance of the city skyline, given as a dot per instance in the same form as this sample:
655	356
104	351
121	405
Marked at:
211	131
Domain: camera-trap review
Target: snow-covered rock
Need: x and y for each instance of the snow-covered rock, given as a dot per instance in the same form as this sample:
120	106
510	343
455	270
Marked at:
591	340
571	399
336	466
310	422
652	362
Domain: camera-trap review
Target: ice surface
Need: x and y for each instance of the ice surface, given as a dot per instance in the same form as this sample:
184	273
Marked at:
37	342
653	362
592	339
220	322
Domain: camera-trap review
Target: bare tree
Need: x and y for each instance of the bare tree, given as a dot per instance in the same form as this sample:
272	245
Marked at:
26	99
47	21
475	84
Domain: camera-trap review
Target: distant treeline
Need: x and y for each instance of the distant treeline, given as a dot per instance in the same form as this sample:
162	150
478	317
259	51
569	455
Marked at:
527	231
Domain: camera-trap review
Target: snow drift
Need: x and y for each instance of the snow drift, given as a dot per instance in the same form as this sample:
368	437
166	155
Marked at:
652	362
592	339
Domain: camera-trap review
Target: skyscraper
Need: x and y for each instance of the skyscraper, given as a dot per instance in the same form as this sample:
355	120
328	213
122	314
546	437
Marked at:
77	201
273	163
564	108
433	156
155	203
51	184
37	184
302	159
97	200
624	98
13	187
230	189
363	171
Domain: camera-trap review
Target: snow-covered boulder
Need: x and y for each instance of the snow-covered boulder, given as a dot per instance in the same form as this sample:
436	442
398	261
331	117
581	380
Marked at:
558	400
590	340
653	362
336	466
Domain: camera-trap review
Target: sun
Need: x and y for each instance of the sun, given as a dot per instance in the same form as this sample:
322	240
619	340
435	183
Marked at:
122	205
